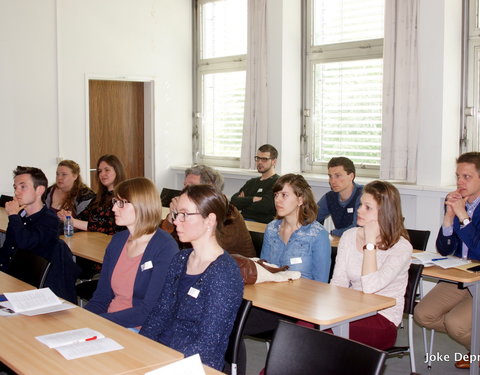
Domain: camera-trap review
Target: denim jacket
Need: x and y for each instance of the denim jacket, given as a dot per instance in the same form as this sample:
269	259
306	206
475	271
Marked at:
308	250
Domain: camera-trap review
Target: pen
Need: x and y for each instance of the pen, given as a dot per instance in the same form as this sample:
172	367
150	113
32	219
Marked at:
434	259
91	338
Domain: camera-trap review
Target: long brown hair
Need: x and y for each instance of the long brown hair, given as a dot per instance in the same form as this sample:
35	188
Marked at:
78	185
390	218
116	164
307	213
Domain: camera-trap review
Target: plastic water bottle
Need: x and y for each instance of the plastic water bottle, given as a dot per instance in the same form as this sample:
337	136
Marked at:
68	227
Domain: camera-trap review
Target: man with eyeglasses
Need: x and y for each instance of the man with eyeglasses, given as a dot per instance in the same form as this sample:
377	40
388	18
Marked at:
255	198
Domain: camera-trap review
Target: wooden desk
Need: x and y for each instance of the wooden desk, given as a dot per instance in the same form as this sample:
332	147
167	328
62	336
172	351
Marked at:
3	219
88	245
25	355
334	240
142	371
254	226
472	282
320	303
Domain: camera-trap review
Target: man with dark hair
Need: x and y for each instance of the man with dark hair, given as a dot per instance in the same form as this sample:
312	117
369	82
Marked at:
31	225
342	202
255	198
448	308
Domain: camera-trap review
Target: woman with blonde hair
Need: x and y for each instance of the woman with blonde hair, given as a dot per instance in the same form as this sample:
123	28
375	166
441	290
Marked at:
295	238
375	258
137	259
69	192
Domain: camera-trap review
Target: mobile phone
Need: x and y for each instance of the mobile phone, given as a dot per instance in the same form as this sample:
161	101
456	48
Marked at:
474	268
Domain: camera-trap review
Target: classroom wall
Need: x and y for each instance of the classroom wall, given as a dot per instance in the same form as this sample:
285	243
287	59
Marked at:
51	48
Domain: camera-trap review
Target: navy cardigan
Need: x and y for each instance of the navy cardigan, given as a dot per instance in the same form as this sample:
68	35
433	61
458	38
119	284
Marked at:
148	283
200	324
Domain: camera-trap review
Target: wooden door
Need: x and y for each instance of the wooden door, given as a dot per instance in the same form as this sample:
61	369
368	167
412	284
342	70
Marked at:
117	124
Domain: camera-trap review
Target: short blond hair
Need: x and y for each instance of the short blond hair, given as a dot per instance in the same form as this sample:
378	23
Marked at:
143	194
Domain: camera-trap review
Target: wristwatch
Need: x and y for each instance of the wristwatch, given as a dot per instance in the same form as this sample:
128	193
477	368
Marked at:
466	221
369	247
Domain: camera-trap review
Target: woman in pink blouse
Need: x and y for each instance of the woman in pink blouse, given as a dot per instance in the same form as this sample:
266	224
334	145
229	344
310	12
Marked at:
375	258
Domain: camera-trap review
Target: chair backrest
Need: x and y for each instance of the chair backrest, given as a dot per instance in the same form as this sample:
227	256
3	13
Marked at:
333	258
257	240
414	277
167	195
419	238
231	355
301	350
29	267
4	199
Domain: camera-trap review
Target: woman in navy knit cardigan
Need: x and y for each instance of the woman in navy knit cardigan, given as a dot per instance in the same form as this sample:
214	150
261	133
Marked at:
203	289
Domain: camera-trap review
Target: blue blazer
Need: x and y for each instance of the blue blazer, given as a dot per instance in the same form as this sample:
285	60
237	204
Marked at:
470	235
148	283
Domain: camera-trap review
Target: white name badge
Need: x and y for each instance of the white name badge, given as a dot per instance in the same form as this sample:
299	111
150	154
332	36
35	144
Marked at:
192	292
260	190
350	210
147	265
295	260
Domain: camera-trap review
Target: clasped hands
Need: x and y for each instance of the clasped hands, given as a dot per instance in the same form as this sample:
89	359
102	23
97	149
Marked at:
455	206
13	207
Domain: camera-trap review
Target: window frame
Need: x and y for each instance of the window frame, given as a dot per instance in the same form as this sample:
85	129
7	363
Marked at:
202	67
312	55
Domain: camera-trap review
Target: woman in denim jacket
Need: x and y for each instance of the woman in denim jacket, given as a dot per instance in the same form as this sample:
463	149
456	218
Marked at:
295	238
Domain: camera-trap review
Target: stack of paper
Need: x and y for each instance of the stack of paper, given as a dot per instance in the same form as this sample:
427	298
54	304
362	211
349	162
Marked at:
35	302
187	366
429	259
79	343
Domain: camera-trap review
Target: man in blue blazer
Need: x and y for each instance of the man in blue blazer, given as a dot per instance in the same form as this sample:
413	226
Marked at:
447	308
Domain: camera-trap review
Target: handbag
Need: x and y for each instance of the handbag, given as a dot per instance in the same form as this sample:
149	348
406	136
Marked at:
254	270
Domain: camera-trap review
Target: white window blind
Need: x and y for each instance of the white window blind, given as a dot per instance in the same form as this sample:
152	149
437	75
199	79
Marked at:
222	47
344	81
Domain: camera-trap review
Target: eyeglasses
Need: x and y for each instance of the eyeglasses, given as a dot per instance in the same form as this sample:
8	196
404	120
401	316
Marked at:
258	158
119	202
182	216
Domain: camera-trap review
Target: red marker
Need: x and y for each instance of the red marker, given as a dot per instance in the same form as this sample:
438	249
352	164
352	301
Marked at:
91	338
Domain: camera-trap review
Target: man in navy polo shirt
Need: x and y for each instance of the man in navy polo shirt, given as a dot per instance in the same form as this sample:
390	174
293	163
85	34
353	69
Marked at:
341	203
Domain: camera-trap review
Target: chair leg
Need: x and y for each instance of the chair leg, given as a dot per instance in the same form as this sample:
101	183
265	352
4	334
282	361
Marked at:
429	365
410	343
425	342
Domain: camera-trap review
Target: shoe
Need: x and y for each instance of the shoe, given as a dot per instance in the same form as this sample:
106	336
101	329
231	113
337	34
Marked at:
463	364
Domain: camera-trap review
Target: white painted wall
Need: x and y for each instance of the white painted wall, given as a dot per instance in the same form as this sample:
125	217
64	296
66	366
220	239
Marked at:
54	46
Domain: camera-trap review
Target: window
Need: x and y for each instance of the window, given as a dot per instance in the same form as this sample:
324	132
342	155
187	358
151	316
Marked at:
343	88
470	131
221	37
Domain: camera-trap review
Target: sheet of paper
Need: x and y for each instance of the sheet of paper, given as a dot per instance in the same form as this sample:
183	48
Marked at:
32	299
451	262
49	309
188	366
57	339
88	348
429	259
